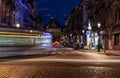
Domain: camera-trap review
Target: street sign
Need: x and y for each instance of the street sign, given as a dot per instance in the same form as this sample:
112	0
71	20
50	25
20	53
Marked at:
88	32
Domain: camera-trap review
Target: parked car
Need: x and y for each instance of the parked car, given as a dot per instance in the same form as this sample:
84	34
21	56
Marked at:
78	46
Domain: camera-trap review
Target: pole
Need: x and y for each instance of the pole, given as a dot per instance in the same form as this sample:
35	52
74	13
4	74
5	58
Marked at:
99	37
98	41
70	31
105	41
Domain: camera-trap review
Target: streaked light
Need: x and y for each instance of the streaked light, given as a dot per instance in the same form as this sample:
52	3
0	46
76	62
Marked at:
31	31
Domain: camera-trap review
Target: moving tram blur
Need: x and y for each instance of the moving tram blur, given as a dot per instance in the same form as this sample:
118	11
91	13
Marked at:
24	37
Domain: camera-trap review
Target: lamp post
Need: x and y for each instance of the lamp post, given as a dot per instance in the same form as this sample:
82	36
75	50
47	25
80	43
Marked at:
98	36
70	34
105	40
83	39
83	31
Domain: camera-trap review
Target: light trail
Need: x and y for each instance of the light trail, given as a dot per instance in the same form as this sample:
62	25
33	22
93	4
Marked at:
74	60
39	2
43	9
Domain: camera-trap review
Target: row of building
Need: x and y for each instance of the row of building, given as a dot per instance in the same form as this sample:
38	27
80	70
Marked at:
19	13
92	20
20	24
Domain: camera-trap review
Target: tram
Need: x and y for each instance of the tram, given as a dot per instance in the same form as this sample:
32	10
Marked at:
23	37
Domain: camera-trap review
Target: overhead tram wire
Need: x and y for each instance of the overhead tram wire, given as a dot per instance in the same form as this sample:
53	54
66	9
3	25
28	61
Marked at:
38	2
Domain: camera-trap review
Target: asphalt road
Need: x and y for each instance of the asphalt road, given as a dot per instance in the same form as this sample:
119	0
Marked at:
59	63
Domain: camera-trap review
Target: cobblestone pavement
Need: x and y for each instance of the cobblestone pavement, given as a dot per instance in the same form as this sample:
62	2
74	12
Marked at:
59	70
57	63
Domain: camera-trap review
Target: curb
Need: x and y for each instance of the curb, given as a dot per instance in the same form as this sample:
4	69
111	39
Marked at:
114	53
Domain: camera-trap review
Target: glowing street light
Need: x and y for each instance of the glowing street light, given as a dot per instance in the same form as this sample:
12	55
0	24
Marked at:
17	25
83	31
99	25
89	26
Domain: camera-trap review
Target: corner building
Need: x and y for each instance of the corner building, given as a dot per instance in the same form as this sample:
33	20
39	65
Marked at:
13	12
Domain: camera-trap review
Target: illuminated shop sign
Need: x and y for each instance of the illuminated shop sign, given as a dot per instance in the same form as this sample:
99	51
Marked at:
88	32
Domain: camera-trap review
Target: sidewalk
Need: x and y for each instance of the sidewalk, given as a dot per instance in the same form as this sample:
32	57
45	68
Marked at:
107	52
113	52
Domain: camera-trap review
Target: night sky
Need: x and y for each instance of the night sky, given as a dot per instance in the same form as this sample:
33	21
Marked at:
59	9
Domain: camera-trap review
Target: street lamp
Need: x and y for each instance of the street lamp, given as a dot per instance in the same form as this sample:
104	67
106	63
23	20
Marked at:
99	25
17	25
83	31
98	36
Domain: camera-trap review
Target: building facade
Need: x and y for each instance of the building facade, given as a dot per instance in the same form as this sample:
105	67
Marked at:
20	13
103	12
74	25
54	28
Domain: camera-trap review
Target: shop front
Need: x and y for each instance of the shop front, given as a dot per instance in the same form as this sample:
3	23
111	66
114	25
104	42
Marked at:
116	38
92	40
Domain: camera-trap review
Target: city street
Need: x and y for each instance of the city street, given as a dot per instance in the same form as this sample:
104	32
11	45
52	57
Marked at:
58	63
59	38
